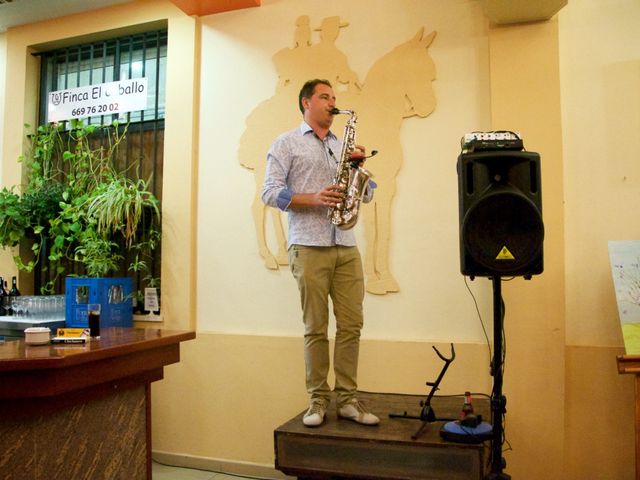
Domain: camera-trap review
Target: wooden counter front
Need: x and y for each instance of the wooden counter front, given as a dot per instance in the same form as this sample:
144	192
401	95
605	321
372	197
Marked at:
82	410
630	364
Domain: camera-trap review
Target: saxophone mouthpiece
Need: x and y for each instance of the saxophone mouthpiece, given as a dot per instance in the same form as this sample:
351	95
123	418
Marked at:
337	111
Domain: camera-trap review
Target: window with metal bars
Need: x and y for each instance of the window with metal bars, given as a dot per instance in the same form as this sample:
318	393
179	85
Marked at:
142	55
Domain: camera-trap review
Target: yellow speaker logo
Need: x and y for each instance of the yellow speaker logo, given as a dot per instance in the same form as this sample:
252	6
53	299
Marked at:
505	254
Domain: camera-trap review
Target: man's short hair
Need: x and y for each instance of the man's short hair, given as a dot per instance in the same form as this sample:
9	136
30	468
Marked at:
308	88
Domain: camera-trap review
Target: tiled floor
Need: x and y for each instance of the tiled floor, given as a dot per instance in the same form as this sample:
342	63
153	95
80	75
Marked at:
165	472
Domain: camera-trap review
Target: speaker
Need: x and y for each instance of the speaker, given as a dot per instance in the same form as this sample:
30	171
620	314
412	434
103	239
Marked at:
500	200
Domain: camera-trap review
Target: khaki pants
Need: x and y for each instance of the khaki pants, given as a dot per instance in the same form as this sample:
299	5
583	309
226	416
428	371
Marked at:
336	272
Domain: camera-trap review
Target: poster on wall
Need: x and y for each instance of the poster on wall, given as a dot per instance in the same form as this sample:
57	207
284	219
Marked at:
624	256
102	99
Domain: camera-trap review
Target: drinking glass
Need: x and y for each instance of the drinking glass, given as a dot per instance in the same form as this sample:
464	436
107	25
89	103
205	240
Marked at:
93	314
17	304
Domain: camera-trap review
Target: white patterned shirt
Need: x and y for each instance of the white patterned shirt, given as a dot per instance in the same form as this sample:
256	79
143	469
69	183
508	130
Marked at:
299	162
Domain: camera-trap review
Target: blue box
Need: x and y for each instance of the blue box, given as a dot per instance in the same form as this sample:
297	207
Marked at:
113	294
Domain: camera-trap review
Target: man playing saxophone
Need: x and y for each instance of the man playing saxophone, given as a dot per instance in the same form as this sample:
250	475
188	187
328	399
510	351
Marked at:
324	260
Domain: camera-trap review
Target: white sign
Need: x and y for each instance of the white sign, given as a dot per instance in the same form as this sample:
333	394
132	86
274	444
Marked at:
151	302
103	99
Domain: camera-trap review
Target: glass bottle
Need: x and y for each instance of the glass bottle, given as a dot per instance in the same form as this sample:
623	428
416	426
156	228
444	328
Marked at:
14	292
4	298
467	407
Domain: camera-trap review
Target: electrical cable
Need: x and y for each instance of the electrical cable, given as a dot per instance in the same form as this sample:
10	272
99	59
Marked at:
484	330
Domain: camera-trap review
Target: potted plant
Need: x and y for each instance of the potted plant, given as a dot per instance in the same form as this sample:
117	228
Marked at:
76	208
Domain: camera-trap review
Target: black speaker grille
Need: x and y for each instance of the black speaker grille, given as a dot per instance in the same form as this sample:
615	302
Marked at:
503	232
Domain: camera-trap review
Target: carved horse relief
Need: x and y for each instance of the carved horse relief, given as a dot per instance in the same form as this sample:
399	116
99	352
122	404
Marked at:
280	113
397	86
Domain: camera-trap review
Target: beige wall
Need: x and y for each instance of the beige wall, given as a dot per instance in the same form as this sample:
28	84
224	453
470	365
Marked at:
243	375
6	264
600	91
600	75
424	246
525	96
3	72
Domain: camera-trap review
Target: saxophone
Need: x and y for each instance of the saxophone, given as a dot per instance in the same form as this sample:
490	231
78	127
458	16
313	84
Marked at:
352	179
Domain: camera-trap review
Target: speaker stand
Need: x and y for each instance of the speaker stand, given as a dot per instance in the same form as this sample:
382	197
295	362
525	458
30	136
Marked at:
498	400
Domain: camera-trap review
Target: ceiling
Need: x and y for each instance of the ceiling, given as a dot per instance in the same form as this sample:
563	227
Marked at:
20	12
505	12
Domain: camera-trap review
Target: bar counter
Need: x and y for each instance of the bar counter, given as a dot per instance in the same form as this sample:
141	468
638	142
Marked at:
82	410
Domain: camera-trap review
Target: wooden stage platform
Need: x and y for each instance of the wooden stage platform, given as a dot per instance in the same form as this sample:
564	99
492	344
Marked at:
341	449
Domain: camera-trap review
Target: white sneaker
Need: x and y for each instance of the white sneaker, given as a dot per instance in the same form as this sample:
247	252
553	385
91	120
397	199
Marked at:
356	411
315	415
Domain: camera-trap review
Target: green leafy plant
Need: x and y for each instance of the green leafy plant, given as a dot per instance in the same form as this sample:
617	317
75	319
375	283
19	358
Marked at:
76	207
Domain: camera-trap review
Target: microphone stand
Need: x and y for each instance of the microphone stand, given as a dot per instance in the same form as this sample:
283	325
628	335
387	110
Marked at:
498	400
